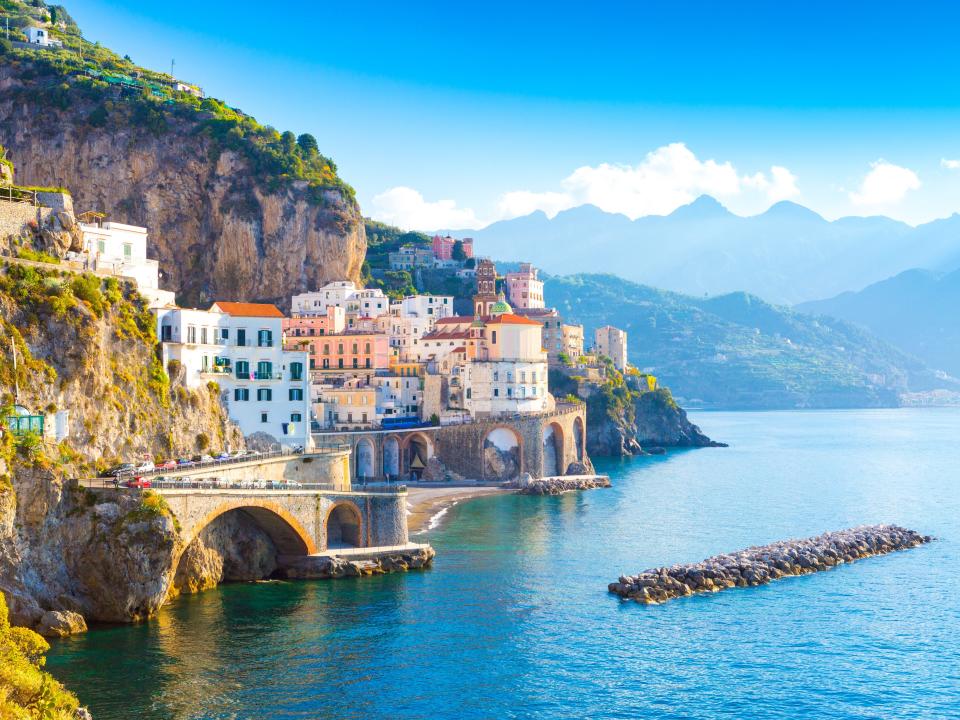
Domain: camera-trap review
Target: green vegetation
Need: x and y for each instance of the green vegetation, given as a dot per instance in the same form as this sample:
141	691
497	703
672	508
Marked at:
383	239
26	253
26	691
737	351
124	94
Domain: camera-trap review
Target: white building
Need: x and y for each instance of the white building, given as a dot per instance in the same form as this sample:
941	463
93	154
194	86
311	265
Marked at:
506	387
265	388
612	342
41	36
122	250
398	396
433	306
342	293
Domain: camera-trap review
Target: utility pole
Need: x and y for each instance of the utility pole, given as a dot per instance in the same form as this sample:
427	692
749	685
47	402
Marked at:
172	63
16	380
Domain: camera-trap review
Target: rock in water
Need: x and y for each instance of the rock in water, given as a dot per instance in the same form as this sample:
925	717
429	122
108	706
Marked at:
560	485
760	565
60	623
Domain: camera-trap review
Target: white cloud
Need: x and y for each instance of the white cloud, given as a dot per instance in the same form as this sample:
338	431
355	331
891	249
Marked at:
950	164
407	208
667	178
885	184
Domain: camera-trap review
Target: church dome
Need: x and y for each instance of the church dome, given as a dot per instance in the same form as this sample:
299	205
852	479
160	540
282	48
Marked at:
501	306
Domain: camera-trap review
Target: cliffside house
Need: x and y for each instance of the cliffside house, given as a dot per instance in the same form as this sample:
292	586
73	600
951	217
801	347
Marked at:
612	342
356	302
239	346
122	250
41	37
524	288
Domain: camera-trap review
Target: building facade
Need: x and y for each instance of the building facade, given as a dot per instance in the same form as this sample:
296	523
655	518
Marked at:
122	250
264	387
345	294
524	288
612	342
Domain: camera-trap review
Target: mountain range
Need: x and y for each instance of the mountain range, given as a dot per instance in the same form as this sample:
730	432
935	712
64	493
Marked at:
787	255
916	310
736	351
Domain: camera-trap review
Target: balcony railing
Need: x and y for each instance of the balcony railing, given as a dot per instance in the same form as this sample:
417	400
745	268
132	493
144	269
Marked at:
267	375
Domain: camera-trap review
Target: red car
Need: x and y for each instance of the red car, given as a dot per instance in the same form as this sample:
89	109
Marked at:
137	482
168	465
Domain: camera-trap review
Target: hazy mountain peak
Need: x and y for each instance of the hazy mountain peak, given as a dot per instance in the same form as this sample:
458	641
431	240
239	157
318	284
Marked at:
704	207
787	210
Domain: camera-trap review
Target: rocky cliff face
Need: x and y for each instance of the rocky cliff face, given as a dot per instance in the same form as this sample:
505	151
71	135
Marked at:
219	230
88	346
652	420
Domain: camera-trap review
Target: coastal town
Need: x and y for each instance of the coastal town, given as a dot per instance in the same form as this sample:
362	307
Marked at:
352	360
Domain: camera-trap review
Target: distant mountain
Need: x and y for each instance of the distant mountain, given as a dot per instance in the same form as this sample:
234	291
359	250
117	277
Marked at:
788	254
918	311
737	351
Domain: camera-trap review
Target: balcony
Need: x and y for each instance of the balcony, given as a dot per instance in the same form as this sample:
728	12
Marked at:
216	370
268	376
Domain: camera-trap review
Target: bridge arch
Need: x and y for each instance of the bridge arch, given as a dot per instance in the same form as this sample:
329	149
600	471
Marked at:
578	437
553	456
366	459
287	533
391	456
502	453
417	451
343	526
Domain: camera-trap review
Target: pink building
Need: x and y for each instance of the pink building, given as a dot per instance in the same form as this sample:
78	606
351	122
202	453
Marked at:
334	322
524	289
349	350
443	247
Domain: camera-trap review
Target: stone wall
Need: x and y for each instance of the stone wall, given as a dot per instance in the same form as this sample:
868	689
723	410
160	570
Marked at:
14	217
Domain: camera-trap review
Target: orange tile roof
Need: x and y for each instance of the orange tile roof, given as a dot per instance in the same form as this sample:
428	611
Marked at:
510	319
245	309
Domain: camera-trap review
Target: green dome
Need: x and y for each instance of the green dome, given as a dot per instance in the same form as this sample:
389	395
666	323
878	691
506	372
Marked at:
501	306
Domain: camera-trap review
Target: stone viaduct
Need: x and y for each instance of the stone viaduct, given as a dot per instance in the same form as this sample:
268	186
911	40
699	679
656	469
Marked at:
495	450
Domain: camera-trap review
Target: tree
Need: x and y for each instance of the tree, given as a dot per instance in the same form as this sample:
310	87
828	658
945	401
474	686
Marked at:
308	144
289	141
458	252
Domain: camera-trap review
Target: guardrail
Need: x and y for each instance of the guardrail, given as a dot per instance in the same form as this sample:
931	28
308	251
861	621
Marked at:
324	449
203	484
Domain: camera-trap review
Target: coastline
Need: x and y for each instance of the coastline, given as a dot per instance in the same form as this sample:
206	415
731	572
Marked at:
426	505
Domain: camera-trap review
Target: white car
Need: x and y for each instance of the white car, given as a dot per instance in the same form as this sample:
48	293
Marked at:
146	466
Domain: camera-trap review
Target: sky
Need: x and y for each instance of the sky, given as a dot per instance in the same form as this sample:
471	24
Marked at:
456	115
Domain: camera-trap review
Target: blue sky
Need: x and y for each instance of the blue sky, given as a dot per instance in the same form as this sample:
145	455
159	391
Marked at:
456	114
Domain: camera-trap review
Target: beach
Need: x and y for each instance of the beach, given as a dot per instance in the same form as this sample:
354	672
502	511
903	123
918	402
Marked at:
426	504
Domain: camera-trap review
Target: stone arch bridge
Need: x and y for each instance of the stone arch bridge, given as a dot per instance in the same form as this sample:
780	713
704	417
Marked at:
494	449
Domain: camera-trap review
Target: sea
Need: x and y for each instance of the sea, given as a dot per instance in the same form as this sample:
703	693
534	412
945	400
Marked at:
514	619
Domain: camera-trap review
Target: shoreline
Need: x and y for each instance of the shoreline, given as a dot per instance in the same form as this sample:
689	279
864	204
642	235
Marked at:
426	506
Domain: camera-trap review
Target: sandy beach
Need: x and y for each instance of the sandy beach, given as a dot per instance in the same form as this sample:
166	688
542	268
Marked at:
426	503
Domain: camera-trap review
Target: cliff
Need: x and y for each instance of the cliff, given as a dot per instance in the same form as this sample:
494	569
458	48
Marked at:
624	420
233	209
88	346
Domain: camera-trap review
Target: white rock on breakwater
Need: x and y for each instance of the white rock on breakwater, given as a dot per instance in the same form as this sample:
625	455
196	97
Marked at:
562	484
760	565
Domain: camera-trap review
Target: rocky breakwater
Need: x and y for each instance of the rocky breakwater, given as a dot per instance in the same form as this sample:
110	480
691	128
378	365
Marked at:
323	567
559	485
760	565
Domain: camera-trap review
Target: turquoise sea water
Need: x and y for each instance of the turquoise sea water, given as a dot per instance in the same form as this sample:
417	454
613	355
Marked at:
514	620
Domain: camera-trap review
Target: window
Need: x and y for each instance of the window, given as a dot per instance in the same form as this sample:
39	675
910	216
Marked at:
366	348
295	417
296	394
264	370
166	333
496	392
355	363
340	363
241	337
127	251
241	394
224	334
243	369
368	362
496	376
326	349
296	371
313	363
339	348
469	393
191	334
494	337
101	246
326	363
263	417
264	394
203	336
264	338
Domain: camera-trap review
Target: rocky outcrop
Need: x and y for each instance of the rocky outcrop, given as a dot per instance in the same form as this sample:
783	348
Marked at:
218	228
232	548
61	623
646	419
327	567
561	485
761	565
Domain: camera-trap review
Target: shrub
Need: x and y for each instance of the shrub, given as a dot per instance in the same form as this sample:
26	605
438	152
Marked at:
203	441
87	288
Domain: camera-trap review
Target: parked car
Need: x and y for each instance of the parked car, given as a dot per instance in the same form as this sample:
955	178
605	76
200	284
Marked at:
294	484
137	482
121	469
298	449
223	456
205	458
146	466
168	465
184	462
